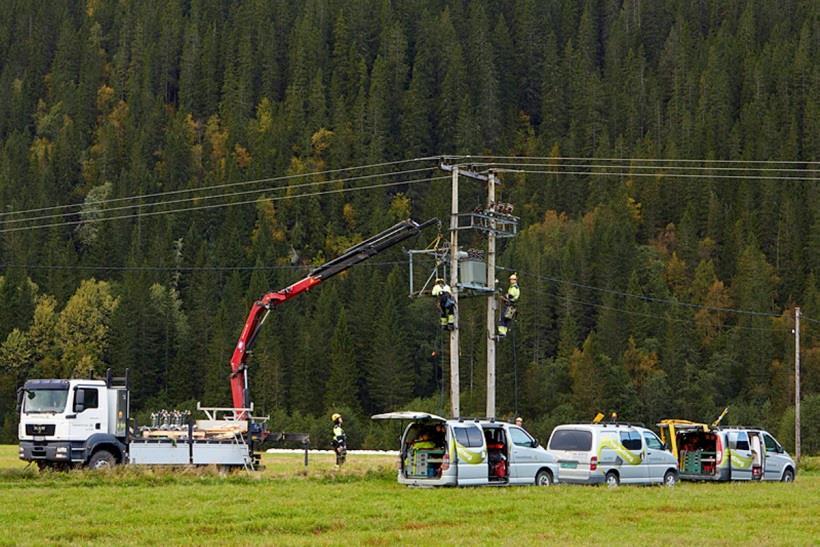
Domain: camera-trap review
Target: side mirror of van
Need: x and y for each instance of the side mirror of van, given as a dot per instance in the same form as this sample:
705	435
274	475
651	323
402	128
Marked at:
535	443
779	449
20	392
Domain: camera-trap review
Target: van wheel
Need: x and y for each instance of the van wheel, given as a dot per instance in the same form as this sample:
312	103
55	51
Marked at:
612	479
788	476
102	459
543	478
670	478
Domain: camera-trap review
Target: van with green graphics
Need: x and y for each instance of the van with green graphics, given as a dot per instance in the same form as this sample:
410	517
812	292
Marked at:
436	451
710	453
611	453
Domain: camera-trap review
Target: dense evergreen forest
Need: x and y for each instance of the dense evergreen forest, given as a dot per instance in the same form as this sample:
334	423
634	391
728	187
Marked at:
654	296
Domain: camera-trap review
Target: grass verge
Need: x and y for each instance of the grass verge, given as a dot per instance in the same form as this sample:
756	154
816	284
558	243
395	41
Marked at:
363	504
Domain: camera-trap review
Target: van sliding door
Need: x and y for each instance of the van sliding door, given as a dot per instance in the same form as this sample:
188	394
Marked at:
471	454
740	455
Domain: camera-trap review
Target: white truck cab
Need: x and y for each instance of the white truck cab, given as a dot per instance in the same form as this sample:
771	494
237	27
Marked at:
64	422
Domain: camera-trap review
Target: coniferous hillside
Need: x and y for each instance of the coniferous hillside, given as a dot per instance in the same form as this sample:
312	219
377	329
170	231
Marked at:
643	291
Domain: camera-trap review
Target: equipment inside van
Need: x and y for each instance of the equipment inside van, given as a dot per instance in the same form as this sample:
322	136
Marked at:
708	452
436	451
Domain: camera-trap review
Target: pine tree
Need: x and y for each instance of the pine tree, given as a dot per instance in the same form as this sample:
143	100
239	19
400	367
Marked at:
342	382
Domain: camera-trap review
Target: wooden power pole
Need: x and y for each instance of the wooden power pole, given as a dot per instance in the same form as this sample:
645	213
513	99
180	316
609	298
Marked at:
455	391
797	383
491	302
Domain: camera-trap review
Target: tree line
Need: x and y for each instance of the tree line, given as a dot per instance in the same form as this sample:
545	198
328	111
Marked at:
626	279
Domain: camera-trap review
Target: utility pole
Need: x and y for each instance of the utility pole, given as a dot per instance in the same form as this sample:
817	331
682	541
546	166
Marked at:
491	302
455	392
797	383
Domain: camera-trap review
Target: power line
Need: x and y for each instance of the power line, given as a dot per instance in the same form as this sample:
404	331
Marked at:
225	185
637	313
642	297
180	268
656	175
214	196
658	160
635	166
220	205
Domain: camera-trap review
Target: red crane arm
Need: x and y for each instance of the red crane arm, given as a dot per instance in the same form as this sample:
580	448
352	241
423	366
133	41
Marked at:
259	311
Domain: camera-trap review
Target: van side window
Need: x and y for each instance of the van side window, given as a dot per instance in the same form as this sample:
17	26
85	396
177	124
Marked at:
738	440
571	439
469	437
771	444
652	441
631	440
520	437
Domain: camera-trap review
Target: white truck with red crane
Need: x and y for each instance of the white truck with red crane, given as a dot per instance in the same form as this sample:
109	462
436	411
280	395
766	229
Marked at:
79	422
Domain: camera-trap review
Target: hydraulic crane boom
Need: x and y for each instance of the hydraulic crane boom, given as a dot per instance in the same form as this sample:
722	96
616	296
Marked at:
261	308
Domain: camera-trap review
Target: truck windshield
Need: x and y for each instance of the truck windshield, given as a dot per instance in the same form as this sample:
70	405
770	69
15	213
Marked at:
45	400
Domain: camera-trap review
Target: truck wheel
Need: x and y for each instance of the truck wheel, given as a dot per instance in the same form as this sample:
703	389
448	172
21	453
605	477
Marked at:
788	476
543	478
612	479
102	459
670	478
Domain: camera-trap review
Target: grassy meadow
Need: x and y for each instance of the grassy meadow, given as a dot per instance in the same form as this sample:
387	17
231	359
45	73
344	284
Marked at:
362	504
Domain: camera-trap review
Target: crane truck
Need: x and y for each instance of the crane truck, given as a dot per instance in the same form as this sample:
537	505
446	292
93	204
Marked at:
86	422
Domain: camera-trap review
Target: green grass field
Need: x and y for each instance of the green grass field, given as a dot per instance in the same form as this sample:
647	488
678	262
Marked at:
362	504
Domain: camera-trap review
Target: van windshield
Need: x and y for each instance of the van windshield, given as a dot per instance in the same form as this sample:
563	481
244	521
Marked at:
39	401
576	440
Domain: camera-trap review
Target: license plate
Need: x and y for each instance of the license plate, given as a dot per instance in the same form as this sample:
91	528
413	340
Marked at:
569	465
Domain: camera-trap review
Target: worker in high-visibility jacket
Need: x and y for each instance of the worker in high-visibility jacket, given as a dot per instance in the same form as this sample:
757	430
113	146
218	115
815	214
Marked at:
446	304
339	441
510	306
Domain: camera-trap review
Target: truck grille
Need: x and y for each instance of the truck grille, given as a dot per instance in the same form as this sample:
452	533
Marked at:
40	429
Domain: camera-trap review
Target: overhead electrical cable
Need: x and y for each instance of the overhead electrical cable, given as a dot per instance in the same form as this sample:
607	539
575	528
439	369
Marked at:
215	196
557	164
637	313
220	205
182	268
640	296
224	185
657	160
656	175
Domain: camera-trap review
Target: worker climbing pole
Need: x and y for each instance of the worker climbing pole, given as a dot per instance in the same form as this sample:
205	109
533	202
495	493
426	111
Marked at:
510	299
446	304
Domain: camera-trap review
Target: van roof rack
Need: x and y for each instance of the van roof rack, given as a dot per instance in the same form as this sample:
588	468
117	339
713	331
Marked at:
747	427
633	424
474	419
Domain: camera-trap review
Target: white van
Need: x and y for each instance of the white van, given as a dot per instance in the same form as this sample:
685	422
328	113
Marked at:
436	451
707	453
611	453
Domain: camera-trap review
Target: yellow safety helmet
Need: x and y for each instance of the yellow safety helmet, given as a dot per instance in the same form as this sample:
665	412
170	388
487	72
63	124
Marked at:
335	416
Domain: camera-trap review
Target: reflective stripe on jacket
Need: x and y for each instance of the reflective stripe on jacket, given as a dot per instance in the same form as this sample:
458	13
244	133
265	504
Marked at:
513	293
